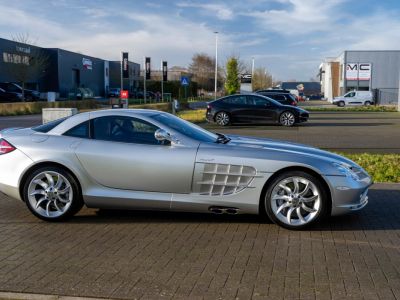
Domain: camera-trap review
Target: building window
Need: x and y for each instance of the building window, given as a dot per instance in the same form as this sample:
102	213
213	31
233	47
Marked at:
15	58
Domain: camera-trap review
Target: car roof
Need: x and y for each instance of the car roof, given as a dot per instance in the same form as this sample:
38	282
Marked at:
82	117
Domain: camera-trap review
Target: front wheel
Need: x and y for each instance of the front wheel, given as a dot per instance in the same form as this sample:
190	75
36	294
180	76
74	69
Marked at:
295	200
341	104
287	119
52	194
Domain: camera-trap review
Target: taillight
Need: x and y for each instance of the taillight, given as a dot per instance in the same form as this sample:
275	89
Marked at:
294	103
5	147
208	106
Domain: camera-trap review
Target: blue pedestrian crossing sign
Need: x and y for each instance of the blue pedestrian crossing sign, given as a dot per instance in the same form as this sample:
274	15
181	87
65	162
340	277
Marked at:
184	80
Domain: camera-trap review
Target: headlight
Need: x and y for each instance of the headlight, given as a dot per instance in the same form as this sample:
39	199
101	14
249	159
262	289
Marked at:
347	171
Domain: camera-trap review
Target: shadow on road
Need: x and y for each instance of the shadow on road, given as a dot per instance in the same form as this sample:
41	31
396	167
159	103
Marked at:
382	213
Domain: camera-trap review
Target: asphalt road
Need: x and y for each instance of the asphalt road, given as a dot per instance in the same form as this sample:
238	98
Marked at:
340	131
156	255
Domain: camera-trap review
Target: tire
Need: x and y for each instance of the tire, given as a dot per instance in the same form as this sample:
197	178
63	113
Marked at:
296	209
367	103
287	119
222	118
341	104
52	194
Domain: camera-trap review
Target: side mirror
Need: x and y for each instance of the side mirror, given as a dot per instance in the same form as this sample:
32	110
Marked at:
162	135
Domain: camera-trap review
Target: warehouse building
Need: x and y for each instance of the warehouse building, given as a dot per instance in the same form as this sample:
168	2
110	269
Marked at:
376	71
64	71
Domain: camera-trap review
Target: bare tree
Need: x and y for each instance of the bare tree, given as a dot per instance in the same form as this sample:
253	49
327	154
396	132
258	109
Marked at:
262	79
203	68
25	63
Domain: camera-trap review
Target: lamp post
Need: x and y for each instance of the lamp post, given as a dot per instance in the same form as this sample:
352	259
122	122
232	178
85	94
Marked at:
252	72
216	64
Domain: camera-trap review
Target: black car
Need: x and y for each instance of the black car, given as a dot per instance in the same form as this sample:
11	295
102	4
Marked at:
274	91
9	96
253	108
114	93
283	98
30	95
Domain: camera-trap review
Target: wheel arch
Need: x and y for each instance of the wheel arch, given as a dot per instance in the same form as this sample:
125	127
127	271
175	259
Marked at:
310	171
42	164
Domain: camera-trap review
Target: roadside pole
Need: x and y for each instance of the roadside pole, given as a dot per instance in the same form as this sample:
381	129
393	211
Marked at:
144	81
122	78
162	82
398	96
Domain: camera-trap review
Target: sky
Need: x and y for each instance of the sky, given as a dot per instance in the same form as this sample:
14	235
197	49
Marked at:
289	38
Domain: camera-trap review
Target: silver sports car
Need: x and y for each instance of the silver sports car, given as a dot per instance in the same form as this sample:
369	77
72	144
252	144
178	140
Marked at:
151	160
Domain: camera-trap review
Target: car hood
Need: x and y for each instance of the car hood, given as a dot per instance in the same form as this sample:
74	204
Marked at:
288	147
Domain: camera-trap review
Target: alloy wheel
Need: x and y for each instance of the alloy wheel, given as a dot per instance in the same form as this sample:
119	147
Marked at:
295	201
287	119
50	194
222	118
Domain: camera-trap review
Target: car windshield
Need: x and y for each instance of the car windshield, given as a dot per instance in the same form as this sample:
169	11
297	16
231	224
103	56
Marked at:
186	128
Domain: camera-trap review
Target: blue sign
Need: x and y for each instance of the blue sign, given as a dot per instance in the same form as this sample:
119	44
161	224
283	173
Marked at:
184	80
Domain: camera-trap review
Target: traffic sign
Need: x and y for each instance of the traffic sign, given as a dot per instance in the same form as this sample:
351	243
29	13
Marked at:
124	94
184	80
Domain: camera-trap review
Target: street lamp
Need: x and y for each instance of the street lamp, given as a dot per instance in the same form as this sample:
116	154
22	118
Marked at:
216	64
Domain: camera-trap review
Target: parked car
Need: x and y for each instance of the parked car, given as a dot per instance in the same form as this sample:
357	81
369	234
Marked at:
355	98
147	159
30	95
80	93
274	91
10	96
283	98
149	95
253	108
114	92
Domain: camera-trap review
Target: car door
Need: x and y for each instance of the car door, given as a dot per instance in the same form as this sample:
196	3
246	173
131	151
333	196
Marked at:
124	154
351	99
263	110
239	108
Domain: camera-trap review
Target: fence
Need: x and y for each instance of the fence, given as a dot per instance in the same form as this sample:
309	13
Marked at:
387	96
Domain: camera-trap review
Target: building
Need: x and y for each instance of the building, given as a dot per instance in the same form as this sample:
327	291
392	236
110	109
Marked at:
132	83
64	71
375	70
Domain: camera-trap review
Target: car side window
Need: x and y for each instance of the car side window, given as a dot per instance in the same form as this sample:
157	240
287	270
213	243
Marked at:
352	94
124	129
79	131
259	101
238	100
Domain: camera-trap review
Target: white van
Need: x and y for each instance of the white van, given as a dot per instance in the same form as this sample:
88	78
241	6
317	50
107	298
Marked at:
354	98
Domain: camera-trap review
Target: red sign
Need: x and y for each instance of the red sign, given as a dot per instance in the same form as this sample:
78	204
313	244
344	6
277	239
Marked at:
124	94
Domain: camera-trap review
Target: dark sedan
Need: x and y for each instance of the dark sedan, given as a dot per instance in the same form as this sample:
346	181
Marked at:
282	98
253	108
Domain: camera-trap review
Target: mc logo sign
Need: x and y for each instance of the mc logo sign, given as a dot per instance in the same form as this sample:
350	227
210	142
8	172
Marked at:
358	71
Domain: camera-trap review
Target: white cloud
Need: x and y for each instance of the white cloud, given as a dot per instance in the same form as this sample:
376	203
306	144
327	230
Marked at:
160	36
222	12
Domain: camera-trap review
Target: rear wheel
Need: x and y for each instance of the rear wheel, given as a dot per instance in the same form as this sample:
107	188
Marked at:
367	103
287	119
222	118
295	200
52	194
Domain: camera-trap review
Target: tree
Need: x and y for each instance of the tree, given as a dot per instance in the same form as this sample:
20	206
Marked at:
203	70
232	83
261	79
26	63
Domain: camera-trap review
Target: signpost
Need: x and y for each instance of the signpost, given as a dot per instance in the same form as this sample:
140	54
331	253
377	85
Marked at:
185	82
164	77
124	75
146	76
